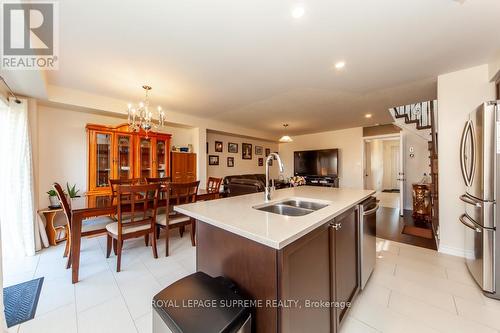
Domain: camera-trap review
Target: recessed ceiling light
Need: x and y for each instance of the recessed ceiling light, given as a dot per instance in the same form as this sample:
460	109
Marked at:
298	11
368	115
340	65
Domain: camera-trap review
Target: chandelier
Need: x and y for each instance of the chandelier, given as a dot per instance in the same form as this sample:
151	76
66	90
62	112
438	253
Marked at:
141	117
285	138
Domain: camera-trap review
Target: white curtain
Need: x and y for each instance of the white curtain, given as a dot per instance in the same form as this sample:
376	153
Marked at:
17	215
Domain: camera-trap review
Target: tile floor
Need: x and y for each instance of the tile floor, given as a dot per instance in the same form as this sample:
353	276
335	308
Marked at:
412	290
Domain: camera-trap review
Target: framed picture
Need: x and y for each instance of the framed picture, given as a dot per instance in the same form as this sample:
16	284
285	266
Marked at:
232	147
218	146
268	151
258	150
213	160
246	151
261	161
230	162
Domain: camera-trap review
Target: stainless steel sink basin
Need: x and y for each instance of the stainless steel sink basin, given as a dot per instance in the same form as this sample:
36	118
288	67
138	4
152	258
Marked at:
292	207
304	204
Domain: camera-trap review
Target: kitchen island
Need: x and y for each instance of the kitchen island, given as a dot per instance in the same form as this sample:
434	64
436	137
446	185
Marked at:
302	271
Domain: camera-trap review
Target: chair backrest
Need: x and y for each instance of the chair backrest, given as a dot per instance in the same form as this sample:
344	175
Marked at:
183	193
213	184
140	202
114	183
161	180
64	201
164	189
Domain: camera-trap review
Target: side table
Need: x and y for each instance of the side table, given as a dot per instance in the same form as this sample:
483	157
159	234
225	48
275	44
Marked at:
52	230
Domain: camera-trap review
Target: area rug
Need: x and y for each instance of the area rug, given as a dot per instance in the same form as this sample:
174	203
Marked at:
395	190
21	300
416	231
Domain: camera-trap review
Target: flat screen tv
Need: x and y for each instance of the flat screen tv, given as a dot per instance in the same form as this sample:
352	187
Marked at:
322	163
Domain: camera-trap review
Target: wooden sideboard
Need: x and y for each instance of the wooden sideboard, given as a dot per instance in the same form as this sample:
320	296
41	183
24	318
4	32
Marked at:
183	167
116	152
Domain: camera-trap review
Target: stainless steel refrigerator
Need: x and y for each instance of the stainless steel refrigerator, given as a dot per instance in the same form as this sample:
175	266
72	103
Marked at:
480	164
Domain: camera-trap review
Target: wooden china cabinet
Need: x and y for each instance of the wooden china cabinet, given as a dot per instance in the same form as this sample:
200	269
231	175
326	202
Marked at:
116	152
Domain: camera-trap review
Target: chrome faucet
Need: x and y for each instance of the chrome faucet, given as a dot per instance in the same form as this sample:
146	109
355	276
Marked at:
282	168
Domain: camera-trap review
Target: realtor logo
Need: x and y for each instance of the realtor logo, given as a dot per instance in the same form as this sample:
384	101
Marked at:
30	35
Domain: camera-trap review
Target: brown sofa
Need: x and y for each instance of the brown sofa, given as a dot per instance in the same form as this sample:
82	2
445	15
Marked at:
244	184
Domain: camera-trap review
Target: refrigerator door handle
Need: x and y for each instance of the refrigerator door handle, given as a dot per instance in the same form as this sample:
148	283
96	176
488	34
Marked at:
467	224
467	199
467	129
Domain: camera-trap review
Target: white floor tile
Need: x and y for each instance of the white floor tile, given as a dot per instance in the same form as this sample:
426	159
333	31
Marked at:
55	293
95	289
434	317
352	325
411	290
61	320
110	316
144	324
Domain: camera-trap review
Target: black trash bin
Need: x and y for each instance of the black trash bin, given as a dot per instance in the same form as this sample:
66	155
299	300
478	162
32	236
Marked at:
199	303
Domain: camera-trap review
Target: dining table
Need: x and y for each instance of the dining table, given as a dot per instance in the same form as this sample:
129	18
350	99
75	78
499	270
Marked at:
94	205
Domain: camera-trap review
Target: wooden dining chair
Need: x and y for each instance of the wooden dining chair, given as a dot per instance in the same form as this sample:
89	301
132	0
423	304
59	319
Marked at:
213	187
177	194
140	202
114	183
90	227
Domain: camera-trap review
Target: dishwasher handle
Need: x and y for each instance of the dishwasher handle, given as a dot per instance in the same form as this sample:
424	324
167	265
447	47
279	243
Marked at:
371	211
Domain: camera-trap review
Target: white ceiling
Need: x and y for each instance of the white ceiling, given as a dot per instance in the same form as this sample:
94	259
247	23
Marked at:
251	63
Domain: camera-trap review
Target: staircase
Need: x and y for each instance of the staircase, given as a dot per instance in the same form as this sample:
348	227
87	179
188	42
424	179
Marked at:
421	119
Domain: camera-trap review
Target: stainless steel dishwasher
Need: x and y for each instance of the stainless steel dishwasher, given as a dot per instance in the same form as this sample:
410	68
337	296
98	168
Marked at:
367	238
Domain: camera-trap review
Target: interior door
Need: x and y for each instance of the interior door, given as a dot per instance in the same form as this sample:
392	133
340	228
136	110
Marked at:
394	166
402	179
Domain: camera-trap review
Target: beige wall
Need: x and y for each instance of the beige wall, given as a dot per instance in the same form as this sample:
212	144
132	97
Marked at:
459	93
241	166
60	141
350	145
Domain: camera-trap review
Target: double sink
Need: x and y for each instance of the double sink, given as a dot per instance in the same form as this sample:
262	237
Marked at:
292	207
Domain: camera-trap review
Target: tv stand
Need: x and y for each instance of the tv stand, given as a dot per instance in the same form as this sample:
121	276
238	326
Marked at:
322	181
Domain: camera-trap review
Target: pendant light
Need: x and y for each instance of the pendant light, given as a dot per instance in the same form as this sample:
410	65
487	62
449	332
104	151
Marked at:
285	138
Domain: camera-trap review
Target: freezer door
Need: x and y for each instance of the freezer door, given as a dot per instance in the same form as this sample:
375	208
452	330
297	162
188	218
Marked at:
480	253
478	153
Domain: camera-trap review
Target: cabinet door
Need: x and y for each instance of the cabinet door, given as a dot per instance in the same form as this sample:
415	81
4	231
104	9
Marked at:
191	168
100	159
161	159
179	164
145	158
124	156
345	260
305	277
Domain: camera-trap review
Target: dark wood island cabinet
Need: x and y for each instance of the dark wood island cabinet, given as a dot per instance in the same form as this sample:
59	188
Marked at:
306	286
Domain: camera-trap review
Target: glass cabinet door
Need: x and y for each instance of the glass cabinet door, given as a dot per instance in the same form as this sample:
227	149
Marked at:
161	158
103	159
124	157
145	157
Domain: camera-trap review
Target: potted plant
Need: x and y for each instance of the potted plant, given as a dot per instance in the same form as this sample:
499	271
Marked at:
53	199
72	191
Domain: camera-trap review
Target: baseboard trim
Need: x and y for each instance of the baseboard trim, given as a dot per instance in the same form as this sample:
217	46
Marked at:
451	250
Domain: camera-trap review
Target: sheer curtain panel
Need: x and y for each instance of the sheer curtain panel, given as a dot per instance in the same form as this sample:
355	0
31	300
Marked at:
17	215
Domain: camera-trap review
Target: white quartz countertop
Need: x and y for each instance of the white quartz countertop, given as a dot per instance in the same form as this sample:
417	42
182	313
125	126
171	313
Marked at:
237	215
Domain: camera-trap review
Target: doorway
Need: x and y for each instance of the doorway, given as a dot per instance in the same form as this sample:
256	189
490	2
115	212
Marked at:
382	169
